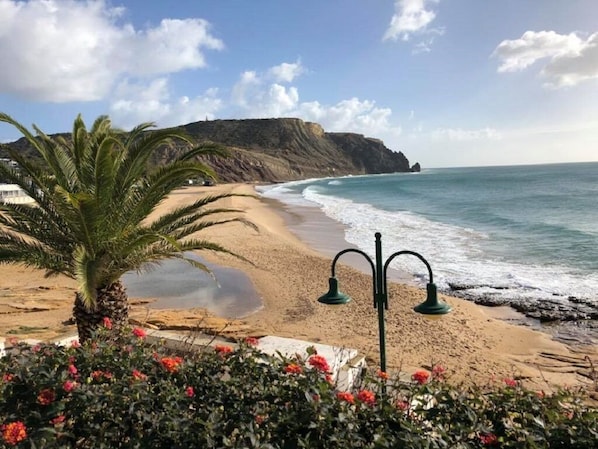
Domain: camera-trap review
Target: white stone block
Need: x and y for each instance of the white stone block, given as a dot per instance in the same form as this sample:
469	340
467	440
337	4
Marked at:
345	363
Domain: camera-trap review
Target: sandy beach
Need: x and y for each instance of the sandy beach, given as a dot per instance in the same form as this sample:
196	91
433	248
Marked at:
289	276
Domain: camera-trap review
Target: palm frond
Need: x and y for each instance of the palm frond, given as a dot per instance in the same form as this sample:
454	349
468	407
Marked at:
93	194
159	184
205	149
185	211
88	270
196	227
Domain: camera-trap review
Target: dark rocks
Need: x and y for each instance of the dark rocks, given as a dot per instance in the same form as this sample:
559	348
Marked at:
556	309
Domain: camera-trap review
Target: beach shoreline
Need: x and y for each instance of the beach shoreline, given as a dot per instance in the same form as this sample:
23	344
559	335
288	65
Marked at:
289	275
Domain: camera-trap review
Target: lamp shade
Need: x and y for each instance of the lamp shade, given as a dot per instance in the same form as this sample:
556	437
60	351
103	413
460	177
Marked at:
334	296
432	306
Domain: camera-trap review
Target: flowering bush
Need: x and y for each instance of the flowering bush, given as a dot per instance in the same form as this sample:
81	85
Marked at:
132	394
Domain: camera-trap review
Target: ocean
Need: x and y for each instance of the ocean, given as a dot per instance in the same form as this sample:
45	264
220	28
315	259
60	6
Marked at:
525	236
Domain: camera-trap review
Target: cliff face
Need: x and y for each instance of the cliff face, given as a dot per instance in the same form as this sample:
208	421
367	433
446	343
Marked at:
286	149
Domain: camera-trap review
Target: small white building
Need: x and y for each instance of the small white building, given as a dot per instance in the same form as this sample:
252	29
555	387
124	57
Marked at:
13	194
9	162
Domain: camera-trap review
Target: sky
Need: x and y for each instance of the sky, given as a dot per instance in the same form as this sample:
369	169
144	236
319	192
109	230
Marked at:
447	82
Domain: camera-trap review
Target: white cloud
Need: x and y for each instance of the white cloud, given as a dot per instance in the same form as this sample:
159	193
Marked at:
257	95
351	115
254	96
241	92
286	72
571	59
173	46
465	135
136	103
279	100
68	50
520	53
411	17
571	69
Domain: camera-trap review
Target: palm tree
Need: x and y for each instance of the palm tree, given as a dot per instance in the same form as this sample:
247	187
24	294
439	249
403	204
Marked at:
93	194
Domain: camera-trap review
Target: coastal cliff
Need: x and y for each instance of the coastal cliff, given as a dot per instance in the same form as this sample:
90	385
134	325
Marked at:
286	149
282	149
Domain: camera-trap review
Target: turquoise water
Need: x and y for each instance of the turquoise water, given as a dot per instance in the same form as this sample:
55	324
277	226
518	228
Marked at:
520	233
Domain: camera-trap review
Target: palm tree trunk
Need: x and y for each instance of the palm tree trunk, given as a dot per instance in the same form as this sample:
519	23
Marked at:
111	302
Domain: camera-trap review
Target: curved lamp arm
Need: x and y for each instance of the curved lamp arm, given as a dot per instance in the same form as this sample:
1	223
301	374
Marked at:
358	251
411	253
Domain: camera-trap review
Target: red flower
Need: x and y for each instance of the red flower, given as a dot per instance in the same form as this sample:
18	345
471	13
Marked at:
189	392
75	344
402	405
98	374
259	419
69	385
367	397
252	341
223	349
7	377
421	377
139	333
107	322
488	439
171	364
438	372
14	432
382	374
36	348
346	397
319	362
138	375
72	369
293	368
329	379
46	396
510	382
58	420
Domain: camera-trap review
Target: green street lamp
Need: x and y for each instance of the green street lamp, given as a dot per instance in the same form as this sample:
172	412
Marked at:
431	306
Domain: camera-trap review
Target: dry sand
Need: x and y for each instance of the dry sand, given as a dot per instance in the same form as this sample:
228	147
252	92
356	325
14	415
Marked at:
289	276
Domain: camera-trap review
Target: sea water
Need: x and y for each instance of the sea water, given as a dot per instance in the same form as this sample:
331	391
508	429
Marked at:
508	234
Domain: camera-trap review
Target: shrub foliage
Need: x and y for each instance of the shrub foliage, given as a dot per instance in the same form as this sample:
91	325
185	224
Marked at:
128	393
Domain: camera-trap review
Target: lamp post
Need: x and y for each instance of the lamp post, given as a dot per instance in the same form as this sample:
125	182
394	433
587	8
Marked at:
431	306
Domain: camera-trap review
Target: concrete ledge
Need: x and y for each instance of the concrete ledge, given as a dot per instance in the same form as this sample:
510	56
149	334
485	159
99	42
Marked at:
346	364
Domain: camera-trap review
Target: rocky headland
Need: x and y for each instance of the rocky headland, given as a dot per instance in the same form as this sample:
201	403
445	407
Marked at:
283	149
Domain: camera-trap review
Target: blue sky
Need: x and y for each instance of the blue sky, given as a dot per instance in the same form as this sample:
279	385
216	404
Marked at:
448	82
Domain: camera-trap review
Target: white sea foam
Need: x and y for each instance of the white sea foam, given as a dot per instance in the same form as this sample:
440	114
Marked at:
456	254
286	193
